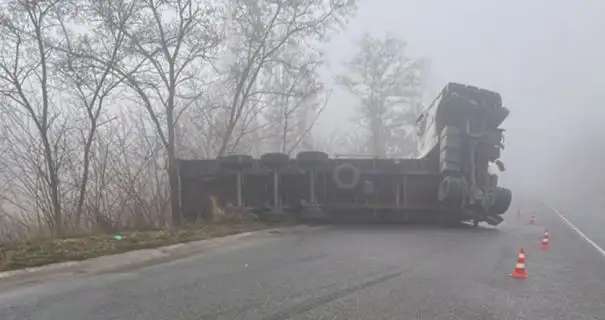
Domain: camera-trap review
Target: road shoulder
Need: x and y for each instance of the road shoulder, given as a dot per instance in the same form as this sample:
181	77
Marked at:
137	258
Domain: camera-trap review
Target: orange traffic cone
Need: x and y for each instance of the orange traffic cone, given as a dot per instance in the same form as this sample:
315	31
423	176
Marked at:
532	220
519	272
545	242
521	257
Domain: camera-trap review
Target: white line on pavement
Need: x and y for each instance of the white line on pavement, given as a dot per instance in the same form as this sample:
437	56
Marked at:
574	228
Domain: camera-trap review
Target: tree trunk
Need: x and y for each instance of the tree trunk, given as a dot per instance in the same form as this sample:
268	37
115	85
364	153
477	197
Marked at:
85	174
53	181
173	171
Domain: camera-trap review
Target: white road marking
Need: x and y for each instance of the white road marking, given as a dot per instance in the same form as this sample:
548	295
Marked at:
574	228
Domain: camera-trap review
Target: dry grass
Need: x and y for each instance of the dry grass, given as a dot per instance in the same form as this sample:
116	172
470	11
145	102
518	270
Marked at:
46	251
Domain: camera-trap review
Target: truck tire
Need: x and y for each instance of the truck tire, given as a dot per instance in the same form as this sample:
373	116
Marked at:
312	158
451	190
274	159
503	199
236	161
346	176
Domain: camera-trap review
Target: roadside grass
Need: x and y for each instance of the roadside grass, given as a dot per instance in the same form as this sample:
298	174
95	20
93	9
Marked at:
38	252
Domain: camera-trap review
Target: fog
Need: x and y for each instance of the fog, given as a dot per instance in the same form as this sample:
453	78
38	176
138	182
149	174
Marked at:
543	56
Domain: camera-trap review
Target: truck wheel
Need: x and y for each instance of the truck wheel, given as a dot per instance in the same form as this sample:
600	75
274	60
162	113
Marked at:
275	159
236	161
346	176
502	202
309	156
312	158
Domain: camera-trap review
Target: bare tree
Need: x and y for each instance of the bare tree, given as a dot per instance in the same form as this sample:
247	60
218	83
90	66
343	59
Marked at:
387	84
135	171
296	94
174	39
306	116
25	28
262	34
90	82
68	69
343	142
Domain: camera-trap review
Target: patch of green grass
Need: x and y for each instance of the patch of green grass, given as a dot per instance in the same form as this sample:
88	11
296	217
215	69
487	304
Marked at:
43	252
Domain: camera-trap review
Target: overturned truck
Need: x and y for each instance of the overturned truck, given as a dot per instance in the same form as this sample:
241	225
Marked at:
451	179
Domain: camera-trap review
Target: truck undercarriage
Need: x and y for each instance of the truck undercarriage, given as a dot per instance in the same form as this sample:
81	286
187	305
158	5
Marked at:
448	181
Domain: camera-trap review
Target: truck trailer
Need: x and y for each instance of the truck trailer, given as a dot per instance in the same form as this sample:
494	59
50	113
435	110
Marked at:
452	178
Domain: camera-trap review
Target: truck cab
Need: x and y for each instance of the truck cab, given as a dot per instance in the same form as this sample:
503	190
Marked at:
462	126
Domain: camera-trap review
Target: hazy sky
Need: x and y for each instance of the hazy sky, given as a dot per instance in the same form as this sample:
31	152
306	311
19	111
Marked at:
544	56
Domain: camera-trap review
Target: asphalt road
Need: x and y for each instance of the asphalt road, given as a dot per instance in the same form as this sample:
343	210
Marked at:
345	272
589	218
